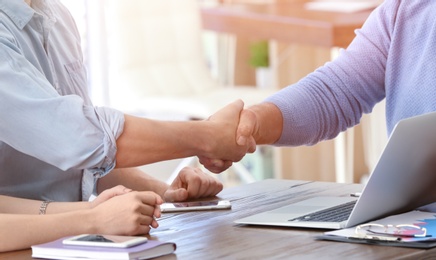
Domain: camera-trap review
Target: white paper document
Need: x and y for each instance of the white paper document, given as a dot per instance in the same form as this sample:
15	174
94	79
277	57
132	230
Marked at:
421	219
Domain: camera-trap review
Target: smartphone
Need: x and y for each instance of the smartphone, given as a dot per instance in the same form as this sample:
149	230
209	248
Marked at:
195	205
104	240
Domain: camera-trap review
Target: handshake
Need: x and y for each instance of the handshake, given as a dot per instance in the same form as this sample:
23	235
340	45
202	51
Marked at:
236	131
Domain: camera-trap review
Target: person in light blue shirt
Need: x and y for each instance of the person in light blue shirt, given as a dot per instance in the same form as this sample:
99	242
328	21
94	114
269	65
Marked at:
392	57
55	145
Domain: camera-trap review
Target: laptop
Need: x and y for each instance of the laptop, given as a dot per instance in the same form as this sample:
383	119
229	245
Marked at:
403	179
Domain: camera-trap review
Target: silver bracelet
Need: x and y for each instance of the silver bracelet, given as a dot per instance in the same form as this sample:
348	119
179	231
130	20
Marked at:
43	207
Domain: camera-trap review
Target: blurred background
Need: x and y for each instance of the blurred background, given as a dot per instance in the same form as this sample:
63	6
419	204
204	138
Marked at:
185	59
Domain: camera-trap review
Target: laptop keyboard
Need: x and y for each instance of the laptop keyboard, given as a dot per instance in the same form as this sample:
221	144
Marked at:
334	214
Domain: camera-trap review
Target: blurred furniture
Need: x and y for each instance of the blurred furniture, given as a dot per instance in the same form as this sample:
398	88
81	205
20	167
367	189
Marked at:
157	64
301	40
286	22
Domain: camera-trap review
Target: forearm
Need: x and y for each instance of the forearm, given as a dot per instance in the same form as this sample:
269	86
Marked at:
132	178
22	231
146	141
119	212
13	205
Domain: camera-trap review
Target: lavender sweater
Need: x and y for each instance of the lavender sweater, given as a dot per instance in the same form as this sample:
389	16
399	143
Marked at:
393	56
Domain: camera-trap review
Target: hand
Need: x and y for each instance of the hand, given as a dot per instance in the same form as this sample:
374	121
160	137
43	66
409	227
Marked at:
215	165
132	213
108	194
246	129
225	149
192	183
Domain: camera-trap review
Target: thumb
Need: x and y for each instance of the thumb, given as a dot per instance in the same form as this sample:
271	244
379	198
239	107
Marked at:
246	126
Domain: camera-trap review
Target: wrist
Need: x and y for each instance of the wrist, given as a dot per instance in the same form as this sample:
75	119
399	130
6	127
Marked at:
205	140
43	207
269	123
90	221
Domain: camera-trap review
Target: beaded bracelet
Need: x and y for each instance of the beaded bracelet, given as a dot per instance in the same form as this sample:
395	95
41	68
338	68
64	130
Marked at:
43	207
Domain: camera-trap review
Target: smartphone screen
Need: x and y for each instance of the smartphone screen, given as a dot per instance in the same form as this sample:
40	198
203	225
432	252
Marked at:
104	240
195	205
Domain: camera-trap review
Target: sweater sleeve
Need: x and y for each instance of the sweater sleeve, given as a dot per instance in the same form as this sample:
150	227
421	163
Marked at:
335	96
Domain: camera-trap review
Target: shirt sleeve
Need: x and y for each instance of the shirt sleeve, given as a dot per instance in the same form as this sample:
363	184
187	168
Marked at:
60	130
335	96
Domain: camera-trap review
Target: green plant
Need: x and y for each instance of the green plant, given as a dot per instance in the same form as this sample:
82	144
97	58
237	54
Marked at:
259	54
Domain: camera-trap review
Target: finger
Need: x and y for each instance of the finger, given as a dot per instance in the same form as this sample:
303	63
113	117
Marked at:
155	224
120	190
157	212
251	145
195	181
193	185
144	209
149	198
214	169
216	187
215	165
204	160
176	195
138	224
226	165
210	186
146	220
117	190
141	230
204	183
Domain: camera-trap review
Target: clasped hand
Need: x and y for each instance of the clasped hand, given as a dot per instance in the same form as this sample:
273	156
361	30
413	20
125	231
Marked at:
238	126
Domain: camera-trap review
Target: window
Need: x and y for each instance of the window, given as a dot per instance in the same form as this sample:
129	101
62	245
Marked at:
89	17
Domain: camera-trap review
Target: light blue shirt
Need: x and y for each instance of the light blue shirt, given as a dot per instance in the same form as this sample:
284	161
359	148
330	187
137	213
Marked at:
53	141
393	56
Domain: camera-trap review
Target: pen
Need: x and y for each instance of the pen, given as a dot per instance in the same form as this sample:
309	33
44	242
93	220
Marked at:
356	194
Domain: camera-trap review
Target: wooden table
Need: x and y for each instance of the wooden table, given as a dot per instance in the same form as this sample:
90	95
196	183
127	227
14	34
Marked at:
213	235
